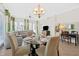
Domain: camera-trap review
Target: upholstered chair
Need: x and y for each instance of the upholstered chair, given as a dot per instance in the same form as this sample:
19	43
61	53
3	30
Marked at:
17	51
41	50
51	48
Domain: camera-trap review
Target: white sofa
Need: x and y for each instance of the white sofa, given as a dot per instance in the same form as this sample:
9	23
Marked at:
7	42
19	38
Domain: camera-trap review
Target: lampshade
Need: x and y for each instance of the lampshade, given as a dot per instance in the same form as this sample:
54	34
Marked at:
61	26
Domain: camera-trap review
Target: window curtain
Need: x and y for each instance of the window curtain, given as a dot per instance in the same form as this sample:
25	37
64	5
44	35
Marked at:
2	29
37	27
27	24
7	14
13	23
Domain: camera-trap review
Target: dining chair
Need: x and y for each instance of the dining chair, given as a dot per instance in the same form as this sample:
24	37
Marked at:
65	36
52	47
40	51
17	51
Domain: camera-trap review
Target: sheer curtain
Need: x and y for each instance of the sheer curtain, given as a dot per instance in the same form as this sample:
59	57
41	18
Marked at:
2	28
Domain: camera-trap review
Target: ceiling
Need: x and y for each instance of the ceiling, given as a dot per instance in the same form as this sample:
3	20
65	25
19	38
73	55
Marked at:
23	10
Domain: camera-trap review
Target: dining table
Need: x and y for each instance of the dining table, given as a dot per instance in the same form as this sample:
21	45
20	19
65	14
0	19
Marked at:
34	44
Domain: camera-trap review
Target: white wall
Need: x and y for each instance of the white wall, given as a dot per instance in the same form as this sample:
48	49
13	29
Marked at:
65	18
48	22
70	17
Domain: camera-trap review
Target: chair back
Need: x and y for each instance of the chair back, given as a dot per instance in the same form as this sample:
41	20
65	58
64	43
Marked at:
52	47
65	33
13	42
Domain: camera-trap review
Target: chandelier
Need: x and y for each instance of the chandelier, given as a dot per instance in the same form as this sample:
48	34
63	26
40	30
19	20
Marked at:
39	11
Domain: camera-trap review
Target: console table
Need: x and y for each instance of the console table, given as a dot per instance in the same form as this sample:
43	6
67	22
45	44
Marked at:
74	36
69	36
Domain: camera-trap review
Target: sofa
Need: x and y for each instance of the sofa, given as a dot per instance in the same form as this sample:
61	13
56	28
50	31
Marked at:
20	35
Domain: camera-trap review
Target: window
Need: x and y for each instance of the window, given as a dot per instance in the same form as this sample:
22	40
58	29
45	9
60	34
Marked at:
32	26
19	26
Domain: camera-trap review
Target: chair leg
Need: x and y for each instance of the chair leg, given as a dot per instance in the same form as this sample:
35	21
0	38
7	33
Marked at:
68	38
58	52
75	41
